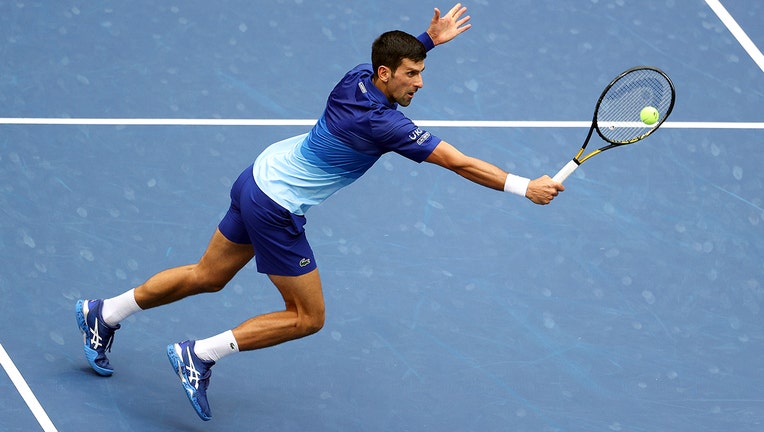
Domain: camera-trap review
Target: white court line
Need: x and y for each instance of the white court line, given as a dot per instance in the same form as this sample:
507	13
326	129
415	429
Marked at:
737	31
311	122
157	122
25	392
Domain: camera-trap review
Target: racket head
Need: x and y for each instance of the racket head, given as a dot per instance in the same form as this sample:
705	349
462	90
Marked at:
617	114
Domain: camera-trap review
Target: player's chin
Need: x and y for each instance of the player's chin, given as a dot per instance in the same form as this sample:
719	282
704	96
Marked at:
406	100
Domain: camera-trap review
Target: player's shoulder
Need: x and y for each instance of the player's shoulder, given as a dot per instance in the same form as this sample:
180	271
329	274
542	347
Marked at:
389	123
360	71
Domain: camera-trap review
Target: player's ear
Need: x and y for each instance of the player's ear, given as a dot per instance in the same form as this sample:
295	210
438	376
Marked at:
384	73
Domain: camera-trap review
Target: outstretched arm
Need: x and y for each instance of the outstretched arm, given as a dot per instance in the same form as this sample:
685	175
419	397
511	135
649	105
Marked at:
541	190
444	28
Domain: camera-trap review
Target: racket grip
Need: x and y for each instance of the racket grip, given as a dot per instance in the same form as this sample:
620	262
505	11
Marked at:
565	171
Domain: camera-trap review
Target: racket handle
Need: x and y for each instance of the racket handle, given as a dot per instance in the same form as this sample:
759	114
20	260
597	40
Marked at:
565	171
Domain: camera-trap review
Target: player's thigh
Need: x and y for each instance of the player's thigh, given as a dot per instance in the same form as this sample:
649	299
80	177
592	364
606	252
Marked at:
223	259
302	293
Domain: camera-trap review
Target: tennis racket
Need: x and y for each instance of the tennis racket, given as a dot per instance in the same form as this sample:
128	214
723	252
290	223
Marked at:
617	117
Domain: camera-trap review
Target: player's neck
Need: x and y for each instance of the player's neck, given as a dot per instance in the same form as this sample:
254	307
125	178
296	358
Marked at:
382	86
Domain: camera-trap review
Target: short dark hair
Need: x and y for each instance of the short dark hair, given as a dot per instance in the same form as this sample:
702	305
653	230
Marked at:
390	48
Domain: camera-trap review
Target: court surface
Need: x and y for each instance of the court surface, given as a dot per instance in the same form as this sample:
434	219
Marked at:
632	303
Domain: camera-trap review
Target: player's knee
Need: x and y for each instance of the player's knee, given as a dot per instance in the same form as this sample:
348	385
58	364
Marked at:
208	283
213	287
312	323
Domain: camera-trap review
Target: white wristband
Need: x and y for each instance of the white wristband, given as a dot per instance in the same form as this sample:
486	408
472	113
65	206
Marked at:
516	184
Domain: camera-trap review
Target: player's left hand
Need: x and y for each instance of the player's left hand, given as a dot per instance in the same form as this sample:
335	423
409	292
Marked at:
444	28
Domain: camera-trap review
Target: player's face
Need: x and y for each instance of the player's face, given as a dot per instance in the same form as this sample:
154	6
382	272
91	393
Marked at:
406	80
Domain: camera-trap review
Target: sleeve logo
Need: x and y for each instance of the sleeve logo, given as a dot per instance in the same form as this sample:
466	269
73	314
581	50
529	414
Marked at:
419	135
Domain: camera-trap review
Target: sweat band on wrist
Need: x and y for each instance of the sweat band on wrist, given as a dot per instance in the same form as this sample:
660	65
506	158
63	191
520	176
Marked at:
426	41
516	184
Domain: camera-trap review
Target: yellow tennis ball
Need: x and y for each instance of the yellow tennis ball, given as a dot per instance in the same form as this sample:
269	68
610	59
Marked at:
649	115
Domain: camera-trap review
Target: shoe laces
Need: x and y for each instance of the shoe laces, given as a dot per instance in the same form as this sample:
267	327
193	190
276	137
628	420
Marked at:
110	338
109	342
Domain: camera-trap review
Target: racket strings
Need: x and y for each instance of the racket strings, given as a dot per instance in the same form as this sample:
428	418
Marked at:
618	112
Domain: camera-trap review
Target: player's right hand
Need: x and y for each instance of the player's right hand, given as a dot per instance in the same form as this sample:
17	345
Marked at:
543	190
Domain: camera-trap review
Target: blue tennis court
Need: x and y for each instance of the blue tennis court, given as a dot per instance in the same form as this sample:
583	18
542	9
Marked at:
631	303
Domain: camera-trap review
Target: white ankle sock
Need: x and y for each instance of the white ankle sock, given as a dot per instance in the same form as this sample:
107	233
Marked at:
120	307
216	347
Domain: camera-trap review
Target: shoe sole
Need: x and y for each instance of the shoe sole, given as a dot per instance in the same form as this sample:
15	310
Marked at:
90	354
177	363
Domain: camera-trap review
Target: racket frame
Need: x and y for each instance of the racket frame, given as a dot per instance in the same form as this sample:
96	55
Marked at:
571	166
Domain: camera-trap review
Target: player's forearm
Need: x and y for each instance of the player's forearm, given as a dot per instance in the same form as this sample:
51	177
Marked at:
476	170
482	173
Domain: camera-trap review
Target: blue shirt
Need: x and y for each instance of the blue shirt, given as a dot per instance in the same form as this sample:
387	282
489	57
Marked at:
357	127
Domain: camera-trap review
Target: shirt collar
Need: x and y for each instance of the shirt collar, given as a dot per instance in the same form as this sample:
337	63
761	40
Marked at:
375	93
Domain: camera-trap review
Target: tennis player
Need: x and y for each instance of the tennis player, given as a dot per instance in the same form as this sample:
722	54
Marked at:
270	198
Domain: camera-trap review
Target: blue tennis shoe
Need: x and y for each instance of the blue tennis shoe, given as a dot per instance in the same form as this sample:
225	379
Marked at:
97	335
194	374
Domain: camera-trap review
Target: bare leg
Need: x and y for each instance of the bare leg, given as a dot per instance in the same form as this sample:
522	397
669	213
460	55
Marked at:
219	264
304	314
303	297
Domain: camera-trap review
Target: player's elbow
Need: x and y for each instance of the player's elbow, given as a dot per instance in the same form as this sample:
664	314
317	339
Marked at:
449	157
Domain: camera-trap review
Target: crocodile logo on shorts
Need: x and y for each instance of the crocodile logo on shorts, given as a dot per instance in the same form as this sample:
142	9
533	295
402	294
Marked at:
304	262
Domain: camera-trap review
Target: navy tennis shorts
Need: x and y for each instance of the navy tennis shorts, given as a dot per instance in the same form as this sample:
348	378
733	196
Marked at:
276	234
